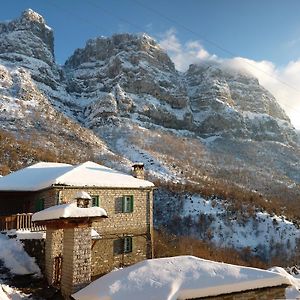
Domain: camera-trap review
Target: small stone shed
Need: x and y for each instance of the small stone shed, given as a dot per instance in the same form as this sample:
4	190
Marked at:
186	278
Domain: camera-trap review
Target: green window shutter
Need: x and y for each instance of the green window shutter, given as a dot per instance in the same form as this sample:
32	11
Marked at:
123	204
127	244
95	200
127	204
39	204
131	203
130	245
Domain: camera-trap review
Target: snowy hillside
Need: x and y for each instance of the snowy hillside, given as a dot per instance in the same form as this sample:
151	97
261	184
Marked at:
261	232
265	235
210	121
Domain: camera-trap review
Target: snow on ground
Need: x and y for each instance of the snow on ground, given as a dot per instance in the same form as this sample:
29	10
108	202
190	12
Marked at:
26	234
259	231
9	293
38	235
181	277
292	292
15	258
136	154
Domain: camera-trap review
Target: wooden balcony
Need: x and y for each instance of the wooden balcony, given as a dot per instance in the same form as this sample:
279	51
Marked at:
19	222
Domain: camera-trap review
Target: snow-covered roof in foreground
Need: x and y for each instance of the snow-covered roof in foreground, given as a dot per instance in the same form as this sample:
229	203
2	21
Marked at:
69	210
181	277
89	174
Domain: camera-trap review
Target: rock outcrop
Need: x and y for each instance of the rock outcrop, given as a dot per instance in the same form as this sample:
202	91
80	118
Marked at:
32	93
29	35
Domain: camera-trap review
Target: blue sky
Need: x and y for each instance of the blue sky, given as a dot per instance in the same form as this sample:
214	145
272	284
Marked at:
259	30
263	34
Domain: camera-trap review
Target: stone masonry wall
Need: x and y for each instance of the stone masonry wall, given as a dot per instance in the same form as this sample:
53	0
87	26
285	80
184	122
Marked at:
138	225
269	293
105	257
76	268
36	249
50	197
111	201
54	248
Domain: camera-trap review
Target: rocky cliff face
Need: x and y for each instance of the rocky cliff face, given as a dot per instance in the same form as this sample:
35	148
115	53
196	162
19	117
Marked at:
184	126
31	89
29	35
134	71
129	75
226	100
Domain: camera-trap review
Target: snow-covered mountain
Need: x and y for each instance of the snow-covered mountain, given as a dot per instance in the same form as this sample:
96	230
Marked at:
205	121
262	234
31	89
130	76
120	99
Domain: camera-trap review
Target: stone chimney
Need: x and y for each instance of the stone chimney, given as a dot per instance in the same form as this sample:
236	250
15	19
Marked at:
83	199
138	171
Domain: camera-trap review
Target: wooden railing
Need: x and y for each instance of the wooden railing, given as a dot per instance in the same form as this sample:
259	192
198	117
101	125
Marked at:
19	222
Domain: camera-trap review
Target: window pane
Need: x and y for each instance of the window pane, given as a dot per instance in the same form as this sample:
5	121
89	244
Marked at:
95	200
127	203
127	244
118	246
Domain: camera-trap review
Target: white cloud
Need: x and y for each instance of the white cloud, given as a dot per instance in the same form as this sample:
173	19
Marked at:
183	54
282	82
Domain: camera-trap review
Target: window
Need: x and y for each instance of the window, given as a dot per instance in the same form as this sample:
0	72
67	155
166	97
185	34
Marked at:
39	204
95	200
122	245
58	197
127	244
127	204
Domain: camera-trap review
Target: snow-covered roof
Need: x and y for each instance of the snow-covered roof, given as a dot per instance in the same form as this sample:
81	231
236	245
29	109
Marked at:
88	174
83	195
181	277
69	210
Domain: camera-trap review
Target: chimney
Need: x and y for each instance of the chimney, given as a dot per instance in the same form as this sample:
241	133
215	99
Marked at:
138	171
83	199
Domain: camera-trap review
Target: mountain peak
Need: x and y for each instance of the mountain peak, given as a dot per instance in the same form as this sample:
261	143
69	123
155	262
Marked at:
136	46
32	16
28	35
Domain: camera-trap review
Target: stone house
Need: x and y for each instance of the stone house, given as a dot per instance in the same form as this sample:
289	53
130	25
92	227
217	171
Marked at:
125	237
